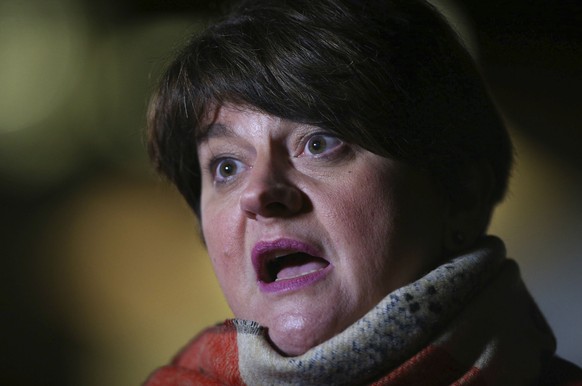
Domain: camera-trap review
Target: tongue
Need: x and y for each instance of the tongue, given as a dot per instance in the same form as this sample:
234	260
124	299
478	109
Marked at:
299	266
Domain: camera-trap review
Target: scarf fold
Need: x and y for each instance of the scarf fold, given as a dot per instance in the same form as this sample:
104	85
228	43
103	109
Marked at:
471	321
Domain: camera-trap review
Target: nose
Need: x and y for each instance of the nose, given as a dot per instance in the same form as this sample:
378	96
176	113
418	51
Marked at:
269	193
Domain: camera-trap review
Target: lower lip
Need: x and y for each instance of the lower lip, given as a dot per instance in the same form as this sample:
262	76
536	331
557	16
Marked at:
296	283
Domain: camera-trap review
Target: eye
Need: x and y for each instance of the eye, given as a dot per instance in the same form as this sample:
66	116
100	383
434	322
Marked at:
227	168
321	144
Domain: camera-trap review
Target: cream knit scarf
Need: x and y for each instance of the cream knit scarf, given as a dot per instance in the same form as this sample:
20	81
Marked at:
471	321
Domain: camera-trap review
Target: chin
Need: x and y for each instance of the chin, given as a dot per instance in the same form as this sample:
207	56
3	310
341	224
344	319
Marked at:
294	335
291	346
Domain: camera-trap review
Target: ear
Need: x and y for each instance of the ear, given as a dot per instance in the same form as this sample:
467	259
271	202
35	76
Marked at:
469	210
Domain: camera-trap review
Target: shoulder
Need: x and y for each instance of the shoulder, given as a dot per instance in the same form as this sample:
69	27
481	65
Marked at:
211	358
219	341
560	372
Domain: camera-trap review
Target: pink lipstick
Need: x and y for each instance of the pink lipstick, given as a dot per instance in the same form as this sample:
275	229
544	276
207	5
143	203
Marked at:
285	265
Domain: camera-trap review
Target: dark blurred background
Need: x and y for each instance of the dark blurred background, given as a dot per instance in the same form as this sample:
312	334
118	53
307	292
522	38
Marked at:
102	274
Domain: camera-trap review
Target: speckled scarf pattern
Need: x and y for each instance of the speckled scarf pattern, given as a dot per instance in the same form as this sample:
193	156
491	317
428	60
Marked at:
471	321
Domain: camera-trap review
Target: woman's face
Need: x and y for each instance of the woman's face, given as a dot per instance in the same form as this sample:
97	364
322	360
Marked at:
307	232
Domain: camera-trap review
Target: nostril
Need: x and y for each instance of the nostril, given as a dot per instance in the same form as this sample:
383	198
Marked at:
277	209
271	200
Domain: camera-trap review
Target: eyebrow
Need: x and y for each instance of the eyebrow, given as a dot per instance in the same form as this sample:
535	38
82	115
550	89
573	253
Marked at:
213	130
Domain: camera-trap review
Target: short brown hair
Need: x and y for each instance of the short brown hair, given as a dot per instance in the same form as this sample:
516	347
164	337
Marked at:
389	75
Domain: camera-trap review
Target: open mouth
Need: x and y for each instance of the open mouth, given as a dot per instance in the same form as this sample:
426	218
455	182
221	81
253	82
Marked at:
285	265
290	266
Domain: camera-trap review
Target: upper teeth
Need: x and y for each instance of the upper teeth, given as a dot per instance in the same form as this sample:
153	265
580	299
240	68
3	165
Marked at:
281	254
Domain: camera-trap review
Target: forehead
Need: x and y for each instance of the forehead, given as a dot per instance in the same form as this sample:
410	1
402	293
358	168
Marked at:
230	121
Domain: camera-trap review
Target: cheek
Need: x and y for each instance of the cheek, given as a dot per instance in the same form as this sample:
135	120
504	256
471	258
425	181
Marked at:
371	229
362	217
225	255
222	242
211	230
218	219
391	227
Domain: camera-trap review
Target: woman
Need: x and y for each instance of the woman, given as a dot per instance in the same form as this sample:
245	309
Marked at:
344	159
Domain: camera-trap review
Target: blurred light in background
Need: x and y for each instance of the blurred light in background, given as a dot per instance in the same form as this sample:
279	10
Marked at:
541	223
128	276
43	48
42	45
461	24
104	277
